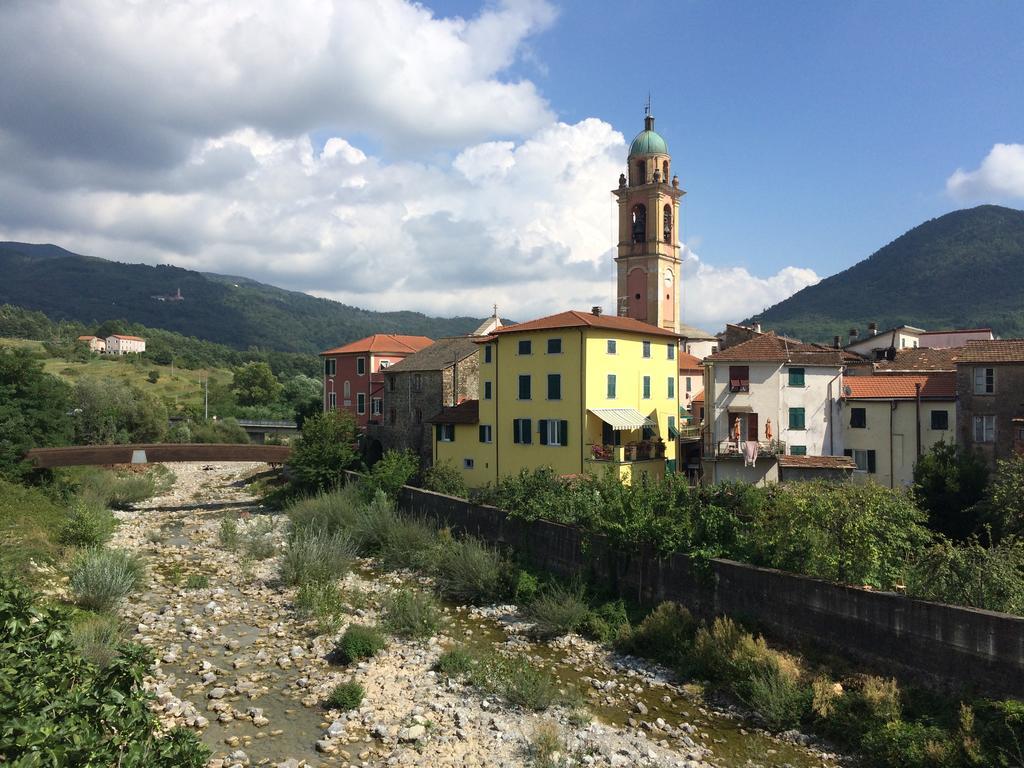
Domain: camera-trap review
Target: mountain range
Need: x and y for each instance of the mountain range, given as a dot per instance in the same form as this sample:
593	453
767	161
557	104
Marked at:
961	270
235	311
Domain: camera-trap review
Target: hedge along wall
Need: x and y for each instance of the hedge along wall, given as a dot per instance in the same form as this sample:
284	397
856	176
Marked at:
966	646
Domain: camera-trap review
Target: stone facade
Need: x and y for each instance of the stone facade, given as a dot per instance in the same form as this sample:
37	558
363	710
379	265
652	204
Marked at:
1004	404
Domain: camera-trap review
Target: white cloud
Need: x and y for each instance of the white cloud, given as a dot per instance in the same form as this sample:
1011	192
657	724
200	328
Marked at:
181	132
1000	176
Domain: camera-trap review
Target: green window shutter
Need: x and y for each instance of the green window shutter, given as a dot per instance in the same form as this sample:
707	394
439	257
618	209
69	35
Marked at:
482	439
647	348
524	387
611	386
554	386
671	386
440	432
796	377
563	431
647	387
542	430
527	431
516	431
798	450
871	462
796	418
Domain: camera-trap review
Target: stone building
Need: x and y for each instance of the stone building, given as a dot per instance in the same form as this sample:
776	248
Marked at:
990	385
444	374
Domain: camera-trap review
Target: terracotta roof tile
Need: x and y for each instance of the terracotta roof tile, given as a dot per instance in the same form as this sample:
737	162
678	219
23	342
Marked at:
994	351
688	362
922	359
817	462
466	412
768	347
383	343
901	386
576	319
698	398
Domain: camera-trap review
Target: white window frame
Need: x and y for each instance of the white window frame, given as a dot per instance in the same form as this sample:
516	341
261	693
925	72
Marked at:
447	433
376	406
554	433
982	374
860	457
985	425
488	433
360	403
332	401
383	364
467	463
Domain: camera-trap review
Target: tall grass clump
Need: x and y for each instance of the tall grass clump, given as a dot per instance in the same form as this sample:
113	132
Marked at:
259	539
331	511
322	601
228	534
468	571
100	578
118	490
96	637
359	642
316	556
545	746
88	524
558	610
345	696
515	678
411	614
665	635
409	543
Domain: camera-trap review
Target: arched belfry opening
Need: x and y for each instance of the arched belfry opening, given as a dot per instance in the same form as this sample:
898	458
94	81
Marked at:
664	171
666	223
639	223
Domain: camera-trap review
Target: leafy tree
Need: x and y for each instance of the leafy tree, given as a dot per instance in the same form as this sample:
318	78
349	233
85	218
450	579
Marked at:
325	450
443	477
970	574
1004	500
58	709
304	395
395	469
255	384
110	327
33	409
109	411
949	481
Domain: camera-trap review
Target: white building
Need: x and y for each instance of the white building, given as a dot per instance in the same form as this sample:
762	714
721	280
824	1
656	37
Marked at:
119	344
96	344
696	342
875	344
795	386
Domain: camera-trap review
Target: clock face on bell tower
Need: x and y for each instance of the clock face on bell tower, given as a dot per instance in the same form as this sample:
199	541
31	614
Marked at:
648	250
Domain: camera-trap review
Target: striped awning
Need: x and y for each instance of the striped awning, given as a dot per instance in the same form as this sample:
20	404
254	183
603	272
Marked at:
622	418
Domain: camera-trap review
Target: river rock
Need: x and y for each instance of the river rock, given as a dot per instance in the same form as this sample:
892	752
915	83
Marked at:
412	733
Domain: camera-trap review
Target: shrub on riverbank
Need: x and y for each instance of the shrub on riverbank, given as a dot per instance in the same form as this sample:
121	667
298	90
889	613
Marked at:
515	678
558	610
469	571
316	556
58	708
345	696
359	642
395	469
100	578
411	614
88	524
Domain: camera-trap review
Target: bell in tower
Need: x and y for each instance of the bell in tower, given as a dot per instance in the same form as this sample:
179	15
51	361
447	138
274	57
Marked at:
648	251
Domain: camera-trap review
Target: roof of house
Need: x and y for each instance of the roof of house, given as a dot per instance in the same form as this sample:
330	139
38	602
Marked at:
767	347
382	344
688	362
691	333
438	356
817	462
880	335
87	338
956	330
900	386
466	412
921	359
993	351
576	319
698	397
123	337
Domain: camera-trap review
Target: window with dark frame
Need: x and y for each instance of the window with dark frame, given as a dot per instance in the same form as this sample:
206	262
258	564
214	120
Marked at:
524	386
796	377
796	418
525	347
859	418
739	378
647	348
940	420
554	386
554	346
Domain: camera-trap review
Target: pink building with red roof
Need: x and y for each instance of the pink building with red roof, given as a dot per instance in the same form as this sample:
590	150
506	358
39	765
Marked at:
353	373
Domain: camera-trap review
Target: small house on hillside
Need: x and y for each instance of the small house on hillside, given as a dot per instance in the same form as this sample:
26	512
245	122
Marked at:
121	344
95	343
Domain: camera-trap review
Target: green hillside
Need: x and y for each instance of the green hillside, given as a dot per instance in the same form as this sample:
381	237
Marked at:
235	311
961	270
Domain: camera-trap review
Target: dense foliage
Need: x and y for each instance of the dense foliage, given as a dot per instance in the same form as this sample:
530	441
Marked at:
57	708
949	483
325	451
234	311
33	410
112	411
967	274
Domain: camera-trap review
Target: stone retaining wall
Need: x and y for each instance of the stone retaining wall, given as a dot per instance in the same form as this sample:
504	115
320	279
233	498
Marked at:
983	649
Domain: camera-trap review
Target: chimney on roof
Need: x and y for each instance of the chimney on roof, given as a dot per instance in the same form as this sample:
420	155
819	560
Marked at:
595	311
835	342
873	329
853	335
757	326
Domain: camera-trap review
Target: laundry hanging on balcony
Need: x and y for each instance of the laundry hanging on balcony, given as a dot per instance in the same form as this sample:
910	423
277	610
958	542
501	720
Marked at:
623	418
750	449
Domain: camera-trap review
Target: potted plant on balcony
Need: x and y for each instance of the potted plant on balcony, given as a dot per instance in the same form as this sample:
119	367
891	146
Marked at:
659	447
644	450
631	451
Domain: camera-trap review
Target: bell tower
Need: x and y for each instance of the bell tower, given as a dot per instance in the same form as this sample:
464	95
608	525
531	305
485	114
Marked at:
648	251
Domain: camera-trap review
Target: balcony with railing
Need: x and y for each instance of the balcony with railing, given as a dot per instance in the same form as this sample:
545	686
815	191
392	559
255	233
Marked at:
726	449
646	450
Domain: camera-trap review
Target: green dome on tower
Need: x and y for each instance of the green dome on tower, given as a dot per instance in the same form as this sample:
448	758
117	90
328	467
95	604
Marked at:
648	141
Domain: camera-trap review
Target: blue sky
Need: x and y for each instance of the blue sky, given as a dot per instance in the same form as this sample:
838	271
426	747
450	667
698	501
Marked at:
806	133
445	156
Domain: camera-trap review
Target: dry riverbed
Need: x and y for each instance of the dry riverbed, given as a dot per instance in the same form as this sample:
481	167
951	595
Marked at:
236	663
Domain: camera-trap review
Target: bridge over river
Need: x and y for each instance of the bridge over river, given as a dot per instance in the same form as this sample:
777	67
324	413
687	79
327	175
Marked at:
147	453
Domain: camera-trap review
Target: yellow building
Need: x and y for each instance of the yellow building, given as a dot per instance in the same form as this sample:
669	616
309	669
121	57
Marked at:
578	392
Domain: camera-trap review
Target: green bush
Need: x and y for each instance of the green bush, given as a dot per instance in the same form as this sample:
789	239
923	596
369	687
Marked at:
359	642
226	430
897	744
443	477
228	534
867	703
59	709
666	635
455	662
469	571
197	581
411	614
970	574
526	685
949	483
558	610
259	539
322	601
330	511
395	469
345	696
999	726
779	699
316	556
29	524
546	746
606	622
87	525
409	543
100	578
325	451
526	588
